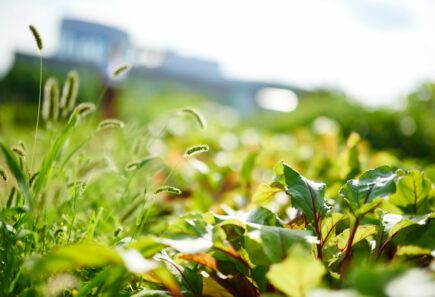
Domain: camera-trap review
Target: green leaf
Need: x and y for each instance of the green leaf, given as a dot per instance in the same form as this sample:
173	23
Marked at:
265	193
221	242
148	245
192	281
74	257
328	226
189	234
393	223
361	194
263	216
371	279
411	250
165	277
189	245
212	288
297	274
152	293
255	249
276	240
191	224
20	177
259	275
417	234
305	194
361	233
413	193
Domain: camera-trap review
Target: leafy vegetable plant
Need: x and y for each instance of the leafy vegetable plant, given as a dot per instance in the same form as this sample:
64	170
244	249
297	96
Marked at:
104	216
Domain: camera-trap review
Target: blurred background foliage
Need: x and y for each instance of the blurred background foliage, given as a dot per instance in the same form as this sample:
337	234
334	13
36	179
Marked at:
406	130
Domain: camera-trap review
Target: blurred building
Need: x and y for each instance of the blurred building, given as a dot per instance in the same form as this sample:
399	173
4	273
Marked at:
85	42
96	49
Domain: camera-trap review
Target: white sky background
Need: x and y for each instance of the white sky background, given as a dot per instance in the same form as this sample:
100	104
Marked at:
376	51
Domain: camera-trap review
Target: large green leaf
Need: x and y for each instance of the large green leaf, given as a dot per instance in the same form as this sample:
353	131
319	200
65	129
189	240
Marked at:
189	234
361	194
255	249
297	274
370	279
361	233
265	193
413	193
276	240
328	226
74	257
416	234
89	255
305	194
393	223
263	216
192	224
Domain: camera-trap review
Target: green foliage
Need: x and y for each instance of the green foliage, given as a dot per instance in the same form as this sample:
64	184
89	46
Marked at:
363	194
88	219
18	173
305	194
413	191
70	257
297	274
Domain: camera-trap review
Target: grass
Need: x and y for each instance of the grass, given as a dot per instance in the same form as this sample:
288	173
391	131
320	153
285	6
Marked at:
182	207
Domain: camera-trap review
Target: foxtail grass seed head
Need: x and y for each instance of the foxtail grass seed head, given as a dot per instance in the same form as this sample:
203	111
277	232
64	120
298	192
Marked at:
69	92
79	186
4	174
18	151
132	166
82	110
120	70
199	118
168	189
33	178
22	145
138	164
37	37
110	123
197	149
50	104
117	231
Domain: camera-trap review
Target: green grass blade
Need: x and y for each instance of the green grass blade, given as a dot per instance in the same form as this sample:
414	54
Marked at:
50	158
21	178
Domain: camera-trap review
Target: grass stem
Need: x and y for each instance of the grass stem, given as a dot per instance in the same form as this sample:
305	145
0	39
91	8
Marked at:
38	113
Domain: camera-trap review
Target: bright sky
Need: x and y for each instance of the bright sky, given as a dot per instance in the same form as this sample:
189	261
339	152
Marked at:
376	51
